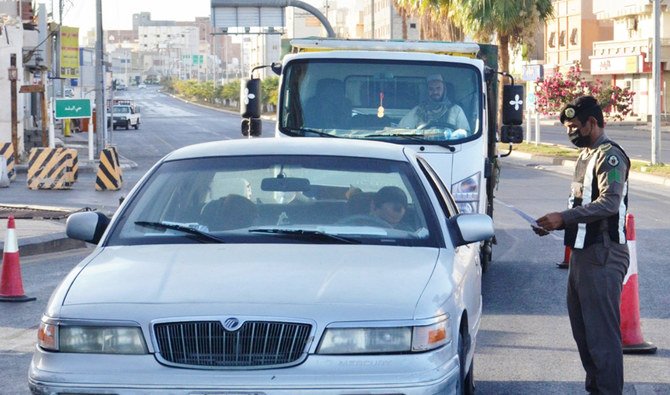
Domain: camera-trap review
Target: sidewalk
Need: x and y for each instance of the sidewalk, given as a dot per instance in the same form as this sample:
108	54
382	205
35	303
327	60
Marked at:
79	141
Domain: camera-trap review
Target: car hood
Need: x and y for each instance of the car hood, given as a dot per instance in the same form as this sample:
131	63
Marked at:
257	278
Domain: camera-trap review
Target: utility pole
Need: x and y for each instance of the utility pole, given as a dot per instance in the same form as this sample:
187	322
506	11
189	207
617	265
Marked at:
13	76
656	76
100	115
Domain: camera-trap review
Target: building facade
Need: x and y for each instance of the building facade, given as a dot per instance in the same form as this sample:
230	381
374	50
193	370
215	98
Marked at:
627	55
381	21
570	34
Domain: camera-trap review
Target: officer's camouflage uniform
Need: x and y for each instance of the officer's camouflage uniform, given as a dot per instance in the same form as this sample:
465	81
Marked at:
595	230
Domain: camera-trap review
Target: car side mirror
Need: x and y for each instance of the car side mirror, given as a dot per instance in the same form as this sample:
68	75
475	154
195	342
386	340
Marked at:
87	226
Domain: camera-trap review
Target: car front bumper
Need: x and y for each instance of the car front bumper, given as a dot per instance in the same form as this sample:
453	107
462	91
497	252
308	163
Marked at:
434	372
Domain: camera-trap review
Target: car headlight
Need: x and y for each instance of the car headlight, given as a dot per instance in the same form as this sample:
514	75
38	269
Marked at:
466	194
91	339
385	340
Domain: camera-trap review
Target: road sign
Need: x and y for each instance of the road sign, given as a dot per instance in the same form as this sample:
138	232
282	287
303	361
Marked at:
73	108
532	72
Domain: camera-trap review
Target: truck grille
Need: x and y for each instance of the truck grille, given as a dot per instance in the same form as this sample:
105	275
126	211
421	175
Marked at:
208	344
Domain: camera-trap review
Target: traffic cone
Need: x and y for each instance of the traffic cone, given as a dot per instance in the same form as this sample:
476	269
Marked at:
11	285
631	331
566	259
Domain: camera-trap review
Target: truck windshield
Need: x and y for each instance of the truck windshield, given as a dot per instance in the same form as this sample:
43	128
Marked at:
121	109
420	102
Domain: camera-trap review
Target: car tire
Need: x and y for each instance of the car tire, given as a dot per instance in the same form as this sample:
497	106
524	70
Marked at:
137	125
127	125
466	381
486	255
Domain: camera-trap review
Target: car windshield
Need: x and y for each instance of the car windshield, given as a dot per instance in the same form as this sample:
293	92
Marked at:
416	102
280	199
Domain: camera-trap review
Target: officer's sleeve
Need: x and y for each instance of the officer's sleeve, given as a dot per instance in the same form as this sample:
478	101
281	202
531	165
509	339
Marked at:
611	172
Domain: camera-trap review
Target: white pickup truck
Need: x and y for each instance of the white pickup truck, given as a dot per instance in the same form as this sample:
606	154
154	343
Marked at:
123	115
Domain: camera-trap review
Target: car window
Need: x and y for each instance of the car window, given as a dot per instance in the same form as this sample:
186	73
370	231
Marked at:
246	199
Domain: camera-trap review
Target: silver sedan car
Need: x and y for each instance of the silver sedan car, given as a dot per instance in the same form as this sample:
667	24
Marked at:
271	266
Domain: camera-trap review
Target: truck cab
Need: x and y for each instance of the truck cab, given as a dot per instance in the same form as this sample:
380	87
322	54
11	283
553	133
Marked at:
386	91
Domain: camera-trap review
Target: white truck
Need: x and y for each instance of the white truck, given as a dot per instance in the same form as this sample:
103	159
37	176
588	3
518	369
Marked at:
378	90
123	113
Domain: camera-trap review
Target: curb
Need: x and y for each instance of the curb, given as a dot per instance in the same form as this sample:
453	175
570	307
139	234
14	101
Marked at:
54	242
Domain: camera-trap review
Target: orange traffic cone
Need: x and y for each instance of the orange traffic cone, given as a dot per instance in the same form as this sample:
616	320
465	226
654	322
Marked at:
11	285
566	259
631	332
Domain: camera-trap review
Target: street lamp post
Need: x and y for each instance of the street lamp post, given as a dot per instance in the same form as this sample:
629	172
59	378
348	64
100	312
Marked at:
13	74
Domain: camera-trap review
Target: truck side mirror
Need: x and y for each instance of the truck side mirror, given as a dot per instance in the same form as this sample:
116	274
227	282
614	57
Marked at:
512	105
250	98
251	127
511	134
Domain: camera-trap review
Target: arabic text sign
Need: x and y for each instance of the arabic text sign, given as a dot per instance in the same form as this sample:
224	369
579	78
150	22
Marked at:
73	108
69	58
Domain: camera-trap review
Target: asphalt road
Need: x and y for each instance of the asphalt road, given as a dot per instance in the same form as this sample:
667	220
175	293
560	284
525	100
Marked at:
635	139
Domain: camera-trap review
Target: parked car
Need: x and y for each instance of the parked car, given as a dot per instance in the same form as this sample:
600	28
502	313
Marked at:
141	86
250	267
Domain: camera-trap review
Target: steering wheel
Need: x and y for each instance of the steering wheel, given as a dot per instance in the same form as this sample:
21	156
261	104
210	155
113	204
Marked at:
436	123
364	220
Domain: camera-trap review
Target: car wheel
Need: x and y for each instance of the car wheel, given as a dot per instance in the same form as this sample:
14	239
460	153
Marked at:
466	381
127	125
486	255
137	125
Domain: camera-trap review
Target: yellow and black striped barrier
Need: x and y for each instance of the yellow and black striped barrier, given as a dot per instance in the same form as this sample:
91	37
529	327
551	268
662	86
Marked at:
7	150
109	177
52	168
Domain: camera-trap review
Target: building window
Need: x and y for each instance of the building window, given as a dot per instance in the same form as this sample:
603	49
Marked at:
561	39
552	40
412	25
573	36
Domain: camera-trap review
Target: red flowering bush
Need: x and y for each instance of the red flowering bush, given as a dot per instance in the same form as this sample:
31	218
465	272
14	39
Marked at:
553	92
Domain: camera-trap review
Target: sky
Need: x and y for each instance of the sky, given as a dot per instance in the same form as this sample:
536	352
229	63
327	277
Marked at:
117	14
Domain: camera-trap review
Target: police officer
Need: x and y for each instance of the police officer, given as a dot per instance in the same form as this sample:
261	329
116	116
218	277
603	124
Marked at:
594	229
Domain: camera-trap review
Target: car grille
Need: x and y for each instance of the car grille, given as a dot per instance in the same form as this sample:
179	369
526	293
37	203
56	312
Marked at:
255	344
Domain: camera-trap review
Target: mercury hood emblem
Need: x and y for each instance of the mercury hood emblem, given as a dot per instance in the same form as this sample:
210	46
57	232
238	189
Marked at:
231	324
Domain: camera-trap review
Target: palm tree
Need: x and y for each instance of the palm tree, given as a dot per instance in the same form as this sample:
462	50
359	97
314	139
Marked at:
438	19
512	22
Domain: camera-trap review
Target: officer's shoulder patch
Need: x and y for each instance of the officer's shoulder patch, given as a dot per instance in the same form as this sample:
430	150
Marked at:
612	160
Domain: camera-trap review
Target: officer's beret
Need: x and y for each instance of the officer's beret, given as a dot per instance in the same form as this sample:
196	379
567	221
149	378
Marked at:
581	107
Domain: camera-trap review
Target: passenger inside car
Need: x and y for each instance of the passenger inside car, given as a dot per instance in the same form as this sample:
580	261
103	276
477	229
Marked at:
229	212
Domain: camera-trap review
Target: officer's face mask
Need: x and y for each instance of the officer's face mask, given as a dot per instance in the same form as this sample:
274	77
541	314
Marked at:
578	139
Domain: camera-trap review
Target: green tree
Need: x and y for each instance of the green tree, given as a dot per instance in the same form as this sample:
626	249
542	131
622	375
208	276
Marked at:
269	91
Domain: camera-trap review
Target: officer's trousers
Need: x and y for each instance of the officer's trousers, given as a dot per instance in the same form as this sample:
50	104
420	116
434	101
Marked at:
594	297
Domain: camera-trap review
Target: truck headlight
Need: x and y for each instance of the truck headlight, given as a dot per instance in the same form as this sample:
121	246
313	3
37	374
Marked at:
385	340
466	194
91	339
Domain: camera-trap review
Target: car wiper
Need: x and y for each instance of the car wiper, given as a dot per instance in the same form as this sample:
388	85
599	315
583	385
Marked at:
306	234
202	236
318	132
413	136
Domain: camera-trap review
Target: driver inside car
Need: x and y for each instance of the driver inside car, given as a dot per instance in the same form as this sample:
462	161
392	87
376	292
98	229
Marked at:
437	111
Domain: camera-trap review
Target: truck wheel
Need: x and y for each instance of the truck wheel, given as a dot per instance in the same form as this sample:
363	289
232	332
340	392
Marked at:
127	125
486	255
137	125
